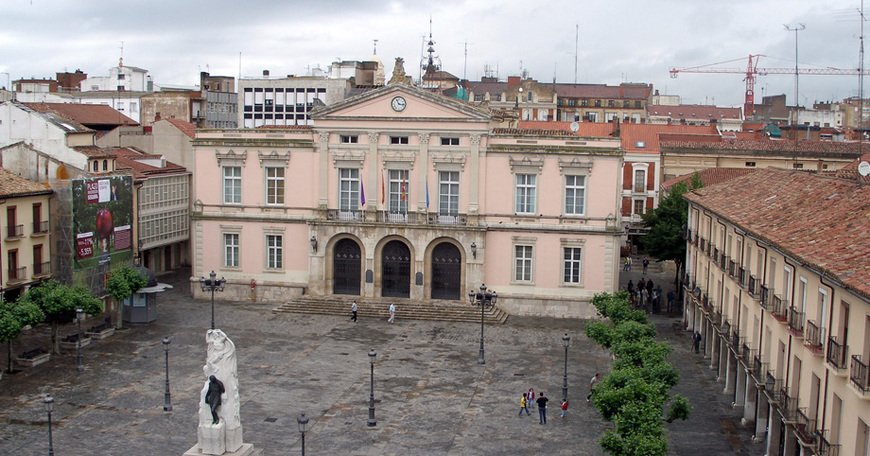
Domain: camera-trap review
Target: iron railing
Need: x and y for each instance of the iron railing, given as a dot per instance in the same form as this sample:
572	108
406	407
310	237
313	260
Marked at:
723	261
780	308
346	216
825	448
741	277
435	218
726	329
796	321
41	269
732	268
716	255
766	293
40	227
858	374
688	235
836	353
716	318
813	336
13	231
703	245
17	274
788	405
805	427
754	286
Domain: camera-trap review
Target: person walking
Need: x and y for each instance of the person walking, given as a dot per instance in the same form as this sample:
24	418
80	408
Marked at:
530	397
542	407
625	263
645	265
592	387
670	300
392	318
696	342
630	287
564	407
353	309
524	405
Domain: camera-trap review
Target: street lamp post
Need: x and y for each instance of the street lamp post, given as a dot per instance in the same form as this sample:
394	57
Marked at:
80	366
167	399
48	401
484	300
212	283
566	341
302	421
372	422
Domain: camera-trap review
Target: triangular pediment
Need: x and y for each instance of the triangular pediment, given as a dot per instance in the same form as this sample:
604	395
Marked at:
401	102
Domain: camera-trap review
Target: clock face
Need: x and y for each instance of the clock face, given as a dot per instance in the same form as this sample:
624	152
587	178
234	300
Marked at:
398	104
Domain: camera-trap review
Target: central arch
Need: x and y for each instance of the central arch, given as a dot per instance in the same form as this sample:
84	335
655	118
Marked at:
396	270
446	272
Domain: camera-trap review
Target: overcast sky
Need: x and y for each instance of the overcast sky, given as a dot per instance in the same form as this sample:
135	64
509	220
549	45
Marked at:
619	40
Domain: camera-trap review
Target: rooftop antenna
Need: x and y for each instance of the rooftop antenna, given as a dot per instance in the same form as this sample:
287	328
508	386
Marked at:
861	81
465	68
121	61
795	29
576	49
240	65
375	51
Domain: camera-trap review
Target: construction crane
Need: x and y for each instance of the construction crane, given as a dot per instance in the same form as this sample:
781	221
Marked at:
752	71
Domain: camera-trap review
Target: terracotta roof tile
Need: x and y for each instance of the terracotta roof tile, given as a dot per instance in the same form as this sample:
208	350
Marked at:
700	112
12	185
134	160
649	135
85	114
589	129
187	128
710	176
821	221
623	91
762	145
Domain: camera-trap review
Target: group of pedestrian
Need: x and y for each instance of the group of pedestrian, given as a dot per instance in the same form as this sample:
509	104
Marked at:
354	309
626	264
529	400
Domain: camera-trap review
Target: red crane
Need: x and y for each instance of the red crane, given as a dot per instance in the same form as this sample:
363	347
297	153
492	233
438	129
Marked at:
752	70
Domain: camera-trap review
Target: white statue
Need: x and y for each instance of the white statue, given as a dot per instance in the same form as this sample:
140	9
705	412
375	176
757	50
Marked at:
220	426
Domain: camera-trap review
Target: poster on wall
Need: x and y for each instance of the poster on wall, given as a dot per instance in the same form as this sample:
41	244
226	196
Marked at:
102	214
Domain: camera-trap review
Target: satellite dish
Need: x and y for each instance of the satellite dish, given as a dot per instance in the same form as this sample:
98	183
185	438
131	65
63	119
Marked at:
864	169
575	126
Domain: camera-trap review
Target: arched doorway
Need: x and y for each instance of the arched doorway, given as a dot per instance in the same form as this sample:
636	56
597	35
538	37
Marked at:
346	267
446	271
396	270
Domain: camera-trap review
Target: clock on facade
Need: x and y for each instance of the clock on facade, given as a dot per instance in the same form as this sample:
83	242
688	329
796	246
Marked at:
398	104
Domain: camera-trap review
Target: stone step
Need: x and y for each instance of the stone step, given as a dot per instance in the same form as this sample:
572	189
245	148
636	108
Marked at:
405	309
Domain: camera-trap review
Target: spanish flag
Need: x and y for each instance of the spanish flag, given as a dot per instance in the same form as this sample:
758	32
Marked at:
404	188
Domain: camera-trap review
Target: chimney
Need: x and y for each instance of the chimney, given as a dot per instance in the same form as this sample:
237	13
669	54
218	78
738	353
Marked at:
512	81
265	74
156	116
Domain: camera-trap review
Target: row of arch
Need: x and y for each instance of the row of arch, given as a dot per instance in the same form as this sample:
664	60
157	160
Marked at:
395	264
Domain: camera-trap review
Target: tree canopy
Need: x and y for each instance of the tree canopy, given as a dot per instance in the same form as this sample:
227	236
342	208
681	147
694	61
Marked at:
59	303
124	282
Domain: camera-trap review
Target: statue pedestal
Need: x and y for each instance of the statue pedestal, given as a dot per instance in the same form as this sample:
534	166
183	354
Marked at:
212	438
245	450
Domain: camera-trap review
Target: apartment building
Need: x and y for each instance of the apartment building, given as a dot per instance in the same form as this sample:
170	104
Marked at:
25	250
778	284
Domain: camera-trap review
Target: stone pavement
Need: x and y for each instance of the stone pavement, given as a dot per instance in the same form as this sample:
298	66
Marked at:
432	396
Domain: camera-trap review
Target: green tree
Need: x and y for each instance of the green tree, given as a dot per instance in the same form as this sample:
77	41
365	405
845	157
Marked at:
122	283
59	303
14	316
666	224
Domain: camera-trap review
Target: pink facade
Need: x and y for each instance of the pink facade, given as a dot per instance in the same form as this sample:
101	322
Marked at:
402	193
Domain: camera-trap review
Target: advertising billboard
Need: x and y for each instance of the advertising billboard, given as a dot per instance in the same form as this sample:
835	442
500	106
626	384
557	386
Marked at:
102	219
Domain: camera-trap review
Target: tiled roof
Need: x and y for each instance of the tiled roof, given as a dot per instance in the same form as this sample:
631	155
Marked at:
623	91
763	145
635	135
589	129
710	176
487	87
187	128
85	114
93	151
700	112
284	127
12	185
820	221
129	158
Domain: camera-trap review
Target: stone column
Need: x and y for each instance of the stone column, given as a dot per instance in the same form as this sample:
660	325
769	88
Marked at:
323	190
773	431
761	416
750	401
423	173
740	384
478	180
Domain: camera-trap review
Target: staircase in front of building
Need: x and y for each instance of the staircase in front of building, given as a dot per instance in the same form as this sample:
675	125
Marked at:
406	309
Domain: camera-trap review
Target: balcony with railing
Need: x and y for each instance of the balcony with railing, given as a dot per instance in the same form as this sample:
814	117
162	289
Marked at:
813	338
725	329
824	447
773	387
836	355
742	277
40	228
759	369
795	322
716	255
705	300
396	217
780	308
716	318
688	235
17	275
723	261
788	406
754	286
435	218
41	269
710	248
732	268
858	374
736	342
14	232
764	298
702	245
346	216
805	428
696	239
